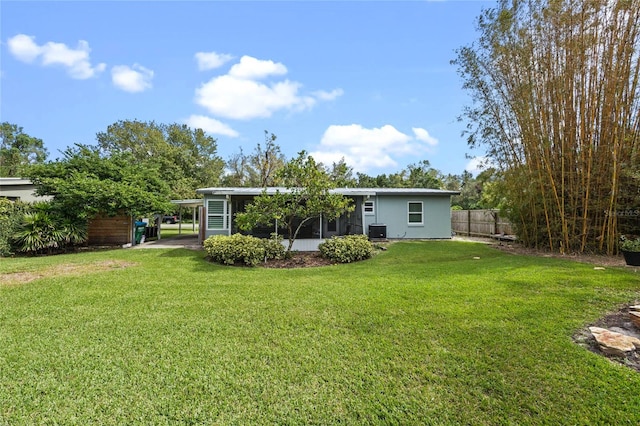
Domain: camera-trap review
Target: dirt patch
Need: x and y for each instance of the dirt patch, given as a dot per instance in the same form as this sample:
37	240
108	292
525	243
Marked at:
593	259
62	270
299	260
618	322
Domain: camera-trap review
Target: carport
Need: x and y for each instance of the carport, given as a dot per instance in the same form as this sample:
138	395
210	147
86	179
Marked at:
196	205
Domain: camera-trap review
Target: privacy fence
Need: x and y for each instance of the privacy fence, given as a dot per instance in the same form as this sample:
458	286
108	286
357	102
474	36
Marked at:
480	223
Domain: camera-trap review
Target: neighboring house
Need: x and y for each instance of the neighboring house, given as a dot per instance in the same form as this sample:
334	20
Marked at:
380	213
16	189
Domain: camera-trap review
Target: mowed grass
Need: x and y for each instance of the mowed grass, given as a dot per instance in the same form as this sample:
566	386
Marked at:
421	334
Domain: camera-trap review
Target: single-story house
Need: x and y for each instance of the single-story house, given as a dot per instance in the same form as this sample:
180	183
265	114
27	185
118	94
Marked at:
15	189
380	213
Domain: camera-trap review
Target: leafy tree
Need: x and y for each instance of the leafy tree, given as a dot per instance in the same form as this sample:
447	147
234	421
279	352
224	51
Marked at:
18	150
420	175
308	196
86	182
265	162
237	170
259	169
187	157
556	105
342	174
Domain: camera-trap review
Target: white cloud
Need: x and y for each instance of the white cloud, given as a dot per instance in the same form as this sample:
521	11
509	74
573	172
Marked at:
210	125
242	95
424	136
24	47
252	69
364	148
211	60
230	97
478	164
131	79
328	96
76	61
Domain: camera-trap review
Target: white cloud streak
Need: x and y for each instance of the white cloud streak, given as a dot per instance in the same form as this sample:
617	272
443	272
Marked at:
210	125
132	79
211	60
250	68
424	136
76	61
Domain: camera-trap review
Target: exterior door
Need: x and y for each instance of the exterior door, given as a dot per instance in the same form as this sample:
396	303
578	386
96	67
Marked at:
330	228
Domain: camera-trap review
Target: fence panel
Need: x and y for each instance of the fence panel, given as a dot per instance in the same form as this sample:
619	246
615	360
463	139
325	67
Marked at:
481	223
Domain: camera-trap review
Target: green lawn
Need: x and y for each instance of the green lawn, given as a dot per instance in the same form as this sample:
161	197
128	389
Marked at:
421	334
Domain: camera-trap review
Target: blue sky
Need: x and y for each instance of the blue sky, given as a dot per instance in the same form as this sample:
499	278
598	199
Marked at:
367	81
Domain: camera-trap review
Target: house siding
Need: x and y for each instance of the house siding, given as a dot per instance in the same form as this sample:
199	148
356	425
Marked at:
392	211
20	189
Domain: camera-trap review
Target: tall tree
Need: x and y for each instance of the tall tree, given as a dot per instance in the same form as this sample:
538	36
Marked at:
86	182
342	174
422	175
187	157
18	150
265	162
237	170
556	90
258	169
419	175
307	197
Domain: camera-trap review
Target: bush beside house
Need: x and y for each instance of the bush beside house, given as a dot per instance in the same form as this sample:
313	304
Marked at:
350	248
243	249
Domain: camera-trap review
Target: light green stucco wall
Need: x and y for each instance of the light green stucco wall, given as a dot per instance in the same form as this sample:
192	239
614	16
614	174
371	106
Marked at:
391	210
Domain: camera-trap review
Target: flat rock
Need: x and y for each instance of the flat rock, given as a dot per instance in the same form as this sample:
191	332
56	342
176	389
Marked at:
613	343
635	318
634	308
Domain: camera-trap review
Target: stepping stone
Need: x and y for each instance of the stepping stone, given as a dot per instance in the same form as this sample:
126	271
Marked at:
613	343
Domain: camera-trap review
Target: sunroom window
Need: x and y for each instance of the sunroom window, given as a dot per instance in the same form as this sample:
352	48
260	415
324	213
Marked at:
216	214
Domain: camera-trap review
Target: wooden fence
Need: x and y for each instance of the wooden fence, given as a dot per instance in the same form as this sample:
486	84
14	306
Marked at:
480	223
104	230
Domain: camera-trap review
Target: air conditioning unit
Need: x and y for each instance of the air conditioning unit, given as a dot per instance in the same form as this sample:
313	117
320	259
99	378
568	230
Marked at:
378	231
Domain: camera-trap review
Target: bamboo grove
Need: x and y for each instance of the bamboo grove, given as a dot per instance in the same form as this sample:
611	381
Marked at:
555	89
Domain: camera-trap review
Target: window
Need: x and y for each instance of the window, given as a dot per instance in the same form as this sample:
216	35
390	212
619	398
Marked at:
415	213
368	208
216	214
332	225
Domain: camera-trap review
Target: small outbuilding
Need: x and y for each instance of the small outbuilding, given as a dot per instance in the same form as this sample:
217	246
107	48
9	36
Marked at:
380	213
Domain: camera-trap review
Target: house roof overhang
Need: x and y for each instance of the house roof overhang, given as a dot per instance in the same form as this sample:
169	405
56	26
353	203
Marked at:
195	202
354	192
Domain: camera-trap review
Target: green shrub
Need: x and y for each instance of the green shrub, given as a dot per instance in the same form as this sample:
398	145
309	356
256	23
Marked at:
243	249
347	249
11	217
629	244
273	247
37	229
38	233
